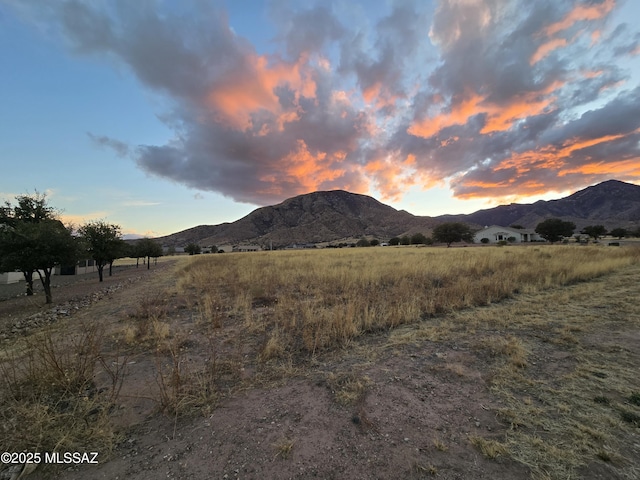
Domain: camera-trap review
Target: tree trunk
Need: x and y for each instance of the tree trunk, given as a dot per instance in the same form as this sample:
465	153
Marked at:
46	284
148	263
110	267
137	261
100	269
28	278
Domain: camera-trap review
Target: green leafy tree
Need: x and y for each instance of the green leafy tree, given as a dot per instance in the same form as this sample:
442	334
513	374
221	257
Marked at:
193	249
148	248
363	242
103	243
394	241
418	239
37	247
374	242
451	232
554	229
619	232
595	231
33	240
28	209
405	240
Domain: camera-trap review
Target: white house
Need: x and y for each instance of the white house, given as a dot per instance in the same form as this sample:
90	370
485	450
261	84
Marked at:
10	277
246	248
496	233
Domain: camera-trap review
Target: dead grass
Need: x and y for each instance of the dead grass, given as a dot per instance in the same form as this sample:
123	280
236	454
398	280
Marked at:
314	301
284	447
49	396
565	400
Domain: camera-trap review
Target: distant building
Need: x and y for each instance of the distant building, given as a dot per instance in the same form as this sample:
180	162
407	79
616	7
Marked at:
496	233
300	246
10	277
246	248
81	267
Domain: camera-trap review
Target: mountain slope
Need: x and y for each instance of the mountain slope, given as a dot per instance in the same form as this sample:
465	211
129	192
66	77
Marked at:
612	203
309	218
334	215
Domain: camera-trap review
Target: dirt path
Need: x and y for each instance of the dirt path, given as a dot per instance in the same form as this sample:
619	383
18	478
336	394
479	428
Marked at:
401	404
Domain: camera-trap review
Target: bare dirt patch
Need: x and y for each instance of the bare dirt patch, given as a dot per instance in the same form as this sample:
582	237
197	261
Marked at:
494	392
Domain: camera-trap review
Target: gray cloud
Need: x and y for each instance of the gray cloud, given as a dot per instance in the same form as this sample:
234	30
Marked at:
121	148
480	93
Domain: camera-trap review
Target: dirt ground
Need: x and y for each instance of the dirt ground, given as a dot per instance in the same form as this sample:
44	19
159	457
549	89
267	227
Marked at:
422	403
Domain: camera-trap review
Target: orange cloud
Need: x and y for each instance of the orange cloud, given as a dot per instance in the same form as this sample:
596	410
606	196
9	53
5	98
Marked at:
392	176
459	115
307	171
592	74
500	117
581	12
546	48
621	168
558	158
240	94
514	191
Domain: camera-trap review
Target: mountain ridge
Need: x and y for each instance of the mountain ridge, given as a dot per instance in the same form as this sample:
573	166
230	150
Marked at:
326	216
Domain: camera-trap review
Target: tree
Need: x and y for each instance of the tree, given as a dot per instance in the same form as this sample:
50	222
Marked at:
554	229
103	243
418	239
405	240
374	242
394	241
363	242
618	232
29	209
453	232
595	231
32	239
146	247
193	249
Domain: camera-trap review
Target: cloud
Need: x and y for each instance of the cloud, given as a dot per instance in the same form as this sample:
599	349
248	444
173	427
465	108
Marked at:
139	203
492	97
120	148
77	220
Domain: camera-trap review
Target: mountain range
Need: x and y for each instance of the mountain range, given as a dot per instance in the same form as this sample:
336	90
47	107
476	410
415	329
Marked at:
339	215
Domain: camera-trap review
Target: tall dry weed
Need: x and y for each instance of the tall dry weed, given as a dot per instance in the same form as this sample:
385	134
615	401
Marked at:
316	300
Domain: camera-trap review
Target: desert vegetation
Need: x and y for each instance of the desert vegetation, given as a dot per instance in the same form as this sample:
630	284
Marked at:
219	324
312	301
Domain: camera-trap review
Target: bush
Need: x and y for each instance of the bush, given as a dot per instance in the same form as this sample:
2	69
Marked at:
363	242
484	240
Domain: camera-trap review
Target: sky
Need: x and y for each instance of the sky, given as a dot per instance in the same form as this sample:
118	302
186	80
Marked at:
162	115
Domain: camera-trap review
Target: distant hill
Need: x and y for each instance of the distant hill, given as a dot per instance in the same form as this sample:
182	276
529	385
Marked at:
611	203
310	218
335	215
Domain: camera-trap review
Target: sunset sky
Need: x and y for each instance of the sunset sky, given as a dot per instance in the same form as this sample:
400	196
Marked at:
163	115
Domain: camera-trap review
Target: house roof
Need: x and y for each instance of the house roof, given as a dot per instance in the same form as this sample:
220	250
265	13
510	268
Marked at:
509	229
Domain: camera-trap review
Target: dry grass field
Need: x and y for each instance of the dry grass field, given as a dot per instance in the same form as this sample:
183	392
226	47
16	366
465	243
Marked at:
514	362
